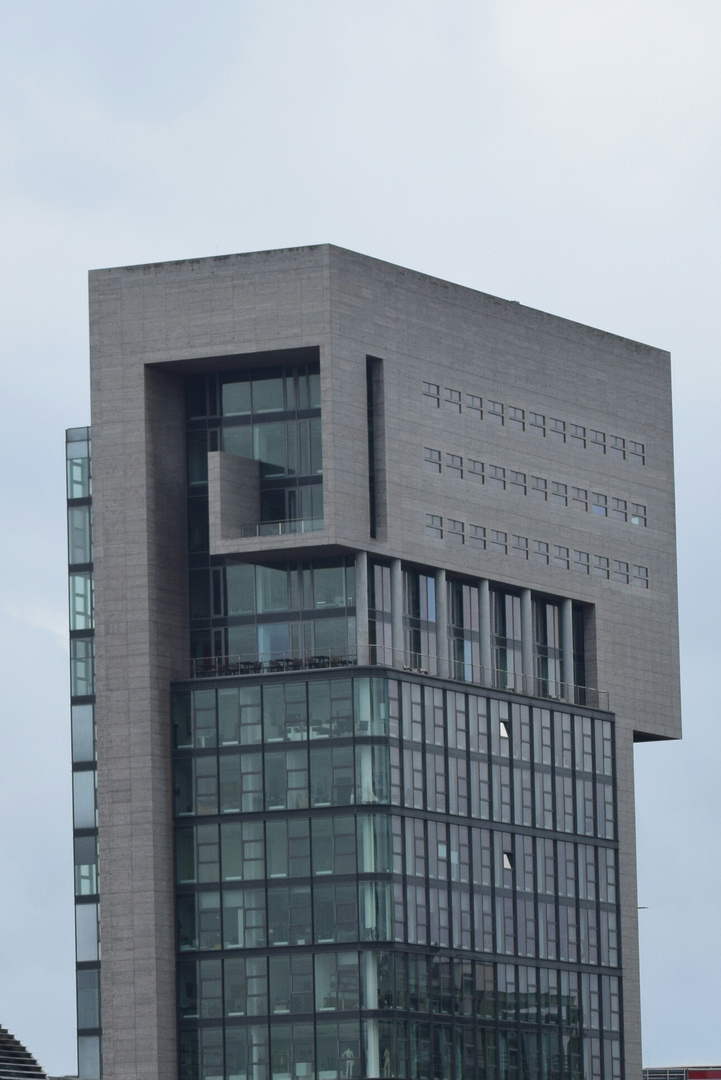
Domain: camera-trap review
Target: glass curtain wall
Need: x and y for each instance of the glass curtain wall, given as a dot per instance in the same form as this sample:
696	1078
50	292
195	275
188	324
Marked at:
82	706
506	649
271	415
547	647
419	621
379	614
463	631
387	878
273	616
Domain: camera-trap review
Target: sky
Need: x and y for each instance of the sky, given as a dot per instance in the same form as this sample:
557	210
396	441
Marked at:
565	154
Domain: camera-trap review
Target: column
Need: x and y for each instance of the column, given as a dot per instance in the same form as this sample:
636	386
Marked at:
567	679
527	642
397	614
442	623
361	607
484	626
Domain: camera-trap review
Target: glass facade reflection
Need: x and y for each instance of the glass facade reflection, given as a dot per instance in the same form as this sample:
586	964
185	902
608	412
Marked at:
381	877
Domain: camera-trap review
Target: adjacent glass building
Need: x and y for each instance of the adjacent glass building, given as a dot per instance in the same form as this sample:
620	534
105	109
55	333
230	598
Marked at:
365	686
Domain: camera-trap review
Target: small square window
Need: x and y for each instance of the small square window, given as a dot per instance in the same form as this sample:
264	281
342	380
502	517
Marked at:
456	531
619	509
599	504
537	424
577	435
638	514
620	571
581	562
474	470
539	487
557	429
452	399
617	446
431	459
496	477
560	556
431	395
540	551
640	577
597	441
494	411
507	860
434	526
517	482
520	547
499	542
477	536
559	493
454	465
516	418
474	405
600	566
636	452
579	498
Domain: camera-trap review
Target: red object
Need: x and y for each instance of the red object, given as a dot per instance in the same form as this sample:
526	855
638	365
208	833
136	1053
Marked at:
704	1074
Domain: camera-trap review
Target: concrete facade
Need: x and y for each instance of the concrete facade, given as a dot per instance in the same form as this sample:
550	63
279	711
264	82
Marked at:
152	325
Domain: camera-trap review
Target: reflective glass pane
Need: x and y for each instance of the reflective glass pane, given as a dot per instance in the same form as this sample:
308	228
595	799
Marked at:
238	441
235	397
269	448
86	932
268	394
79	548
84	799
83	736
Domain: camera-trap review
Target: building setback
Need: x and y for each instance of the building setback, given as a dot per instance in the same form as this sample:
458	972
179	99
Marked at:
384	592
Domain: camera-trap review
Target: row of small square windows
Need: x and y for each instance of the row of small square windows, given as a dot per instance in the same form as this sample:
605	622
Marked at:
536	423
498	477
537	551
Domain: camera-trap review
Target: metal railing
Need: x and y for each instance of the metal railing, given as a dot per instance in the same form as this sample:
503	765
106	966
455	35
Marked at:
212	667
281	528
513	682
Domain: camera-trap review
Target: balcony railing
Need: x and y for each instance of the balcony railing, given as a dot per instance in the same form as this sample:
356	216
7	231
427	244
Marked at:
212	667
281	528
492	678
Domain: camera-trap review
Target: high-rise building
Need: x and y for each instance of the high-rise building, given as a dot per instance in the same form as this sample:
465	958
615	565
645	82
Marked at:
385	592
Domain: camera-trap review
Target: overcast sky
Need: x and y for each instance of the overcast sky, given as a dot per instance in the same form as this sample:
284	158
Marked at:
562	153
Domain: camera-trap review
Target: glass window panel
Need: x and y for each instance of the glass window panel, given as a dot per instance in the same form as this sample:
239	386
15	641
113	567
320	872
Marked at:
243	643
329	587
79	536
269	448
268	393
78	473
84	799
334	849
235	397
83	733
331	637
88	987
238	441
316	451
89	1056
86	932
313	388
86	865
240	589
197	454
271	586
80	588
